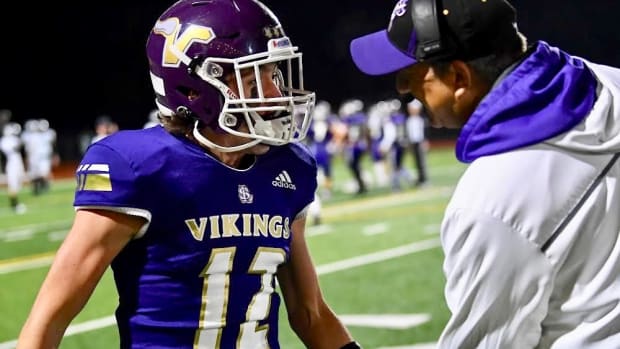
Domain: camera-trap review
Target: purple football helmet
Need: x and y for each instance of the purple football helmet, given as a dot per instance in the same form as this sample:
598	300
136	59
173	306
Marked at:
195	44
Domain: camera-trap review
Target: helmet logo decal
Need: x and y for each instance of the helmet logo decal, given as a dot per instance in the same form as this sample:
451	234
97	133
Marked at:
169	29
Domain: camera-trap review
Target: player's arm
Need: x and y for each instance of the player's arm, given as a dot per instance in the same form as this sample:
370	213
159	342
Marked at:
309	316
95	238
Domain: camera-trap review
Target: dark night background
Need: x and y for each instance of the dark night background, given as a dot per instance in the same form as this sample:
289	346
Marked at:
70	63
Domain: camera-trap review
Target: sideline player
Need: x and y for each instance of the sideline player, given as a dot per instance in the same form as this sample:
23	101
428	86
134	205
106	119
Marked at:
200	216
11	146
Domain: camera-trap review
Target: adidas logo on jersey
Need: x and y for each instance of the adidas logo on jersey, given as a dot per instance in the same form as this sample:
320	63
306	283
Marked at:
283	180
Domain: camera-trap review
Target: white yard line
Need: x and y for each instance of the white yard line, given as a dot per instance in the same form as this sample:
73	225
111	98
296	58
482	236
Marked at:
36	228
25	264
394	199
414	346
375	229
74	329
376	257
385	321
329	268
57	235
18	235
319	230
40	226
91	325
432	229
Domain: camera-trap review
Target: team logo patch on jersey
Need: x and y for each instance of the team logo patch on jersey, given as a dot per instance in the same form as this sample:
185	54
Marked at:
244	194
283	180
94	177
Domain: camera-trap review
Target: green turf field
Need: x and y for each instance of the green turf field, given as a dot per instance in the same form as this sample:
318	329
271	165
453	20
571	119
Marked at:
377	255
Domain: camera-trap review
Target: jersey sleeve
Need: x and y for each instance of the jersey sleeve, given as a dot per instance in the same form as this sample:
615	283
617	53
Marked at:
308	171
497	283
105	178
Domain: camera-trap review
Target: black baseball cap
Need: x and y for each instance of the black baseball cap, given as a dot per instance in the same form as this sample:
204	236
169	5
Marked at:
435	30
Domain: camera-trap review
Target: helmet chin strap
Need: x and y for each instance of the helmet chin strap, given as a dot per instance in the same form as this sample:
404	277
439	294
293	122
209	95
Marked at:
207	143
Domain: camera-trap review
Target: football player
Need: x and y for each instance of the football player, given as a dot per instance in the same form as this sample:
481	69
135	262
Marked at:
39	143
11	146
352	112
321	144
394	142
377	114
5	118
198	217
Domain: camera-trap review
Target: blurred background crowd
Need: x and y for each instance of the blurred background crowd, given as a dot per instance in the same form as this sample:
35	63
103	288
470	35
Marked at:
383	133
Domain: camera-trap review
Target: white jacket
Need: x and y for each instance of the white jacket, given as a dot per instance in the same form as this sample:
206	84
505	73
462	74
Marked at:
531	234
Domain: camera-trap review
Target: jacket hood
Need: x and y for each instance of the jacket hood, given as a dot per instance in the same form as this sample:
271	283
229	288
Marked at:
599	132
549	93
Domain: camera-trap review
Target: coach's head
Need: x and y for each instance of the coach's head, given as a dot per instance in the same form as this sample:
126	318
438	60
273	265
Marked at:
446	53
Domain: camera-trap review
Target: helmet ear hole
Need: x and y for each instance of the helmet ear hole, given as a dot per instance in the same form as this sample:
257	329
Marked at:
231	121
184	112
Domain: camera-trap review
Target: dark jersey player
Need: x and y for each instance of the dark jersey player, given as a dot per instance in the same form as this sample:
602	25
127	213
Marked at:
200	216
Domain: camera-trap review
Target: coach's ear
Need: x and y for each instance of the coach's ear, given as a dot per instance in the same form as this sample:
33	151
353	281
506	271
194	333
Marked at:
462	79
468	87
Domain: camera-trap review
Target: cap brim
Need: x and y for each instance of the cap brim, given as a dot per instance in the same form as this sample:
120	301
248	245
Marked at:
374	54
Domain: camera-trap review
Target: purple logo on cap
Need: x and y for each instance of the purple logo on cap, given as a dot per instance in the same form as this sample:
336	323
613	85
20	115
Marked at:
399	10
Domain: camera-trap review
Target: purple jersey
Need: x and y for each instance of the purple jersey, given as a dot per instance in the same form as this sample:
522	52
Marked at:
319	139
201	275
